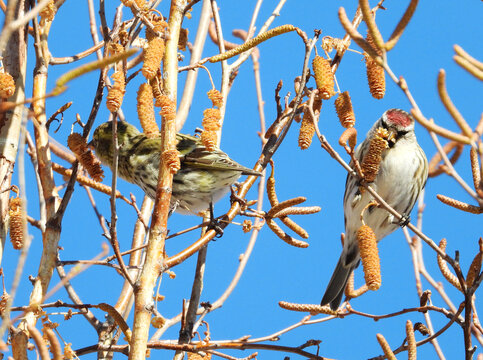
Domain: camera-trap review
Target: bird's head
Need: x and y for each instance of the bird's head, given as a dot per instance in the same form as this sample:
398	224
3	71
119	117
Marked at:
397	121
102	139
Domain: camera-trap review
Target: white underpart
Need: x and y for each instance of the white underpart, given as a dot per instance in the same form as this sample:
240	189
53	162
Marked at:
393	183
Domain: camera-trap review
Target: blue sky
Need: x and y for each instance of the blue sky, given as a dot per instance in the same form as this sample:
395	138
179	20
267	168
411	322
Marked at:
275	270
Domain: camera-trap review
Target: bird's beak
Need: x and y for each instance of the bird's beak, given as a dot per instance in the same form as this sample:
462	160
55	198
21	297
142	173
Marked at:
90	144
392	137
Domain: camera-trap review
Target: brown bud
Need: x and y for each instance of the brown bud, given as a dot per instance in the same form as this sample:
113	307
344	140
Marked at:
421	328
475	266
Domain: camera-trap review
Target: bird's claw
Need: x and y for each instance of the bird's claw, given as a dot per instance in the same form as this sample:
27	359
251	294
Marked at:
405	219
234	197
214	223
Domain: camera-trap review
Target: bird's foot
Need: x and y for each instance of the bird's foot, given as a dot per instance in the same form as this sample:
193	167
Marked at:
214	223
405	219
234	197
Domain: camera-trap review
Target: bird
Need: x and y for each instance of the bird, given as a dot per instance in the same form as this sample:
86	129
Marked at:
402	175
204	177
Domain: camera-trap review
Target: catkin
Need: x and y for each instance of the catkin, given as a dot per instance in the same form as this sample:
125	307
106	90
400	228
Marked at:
211	119
195	356
215	97
375	73
343	107
116	92
16	223
369	257
171	158
370	163
324	77
211	124
443	267
412	347
78	145
209	139
183	39
153	53
7	85
385	347
115	48
156	86
330	43
310	308
168	108
375	78
68	352
129	3
48	12
307	131
145	110
158	322
307	127
3	302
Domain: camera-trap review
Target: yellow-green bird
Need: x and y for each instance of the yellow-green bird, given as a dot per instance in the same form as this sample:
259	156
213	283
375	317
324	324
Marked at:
204	177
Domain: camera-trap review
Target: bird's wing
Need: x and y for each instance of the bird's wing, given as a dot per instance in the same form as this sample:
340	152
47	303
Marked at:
194	154
215	160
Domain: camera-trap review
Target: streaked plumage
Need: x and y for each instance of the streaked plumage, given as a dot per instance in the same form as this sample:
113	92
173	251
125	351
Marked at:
402	175
204	176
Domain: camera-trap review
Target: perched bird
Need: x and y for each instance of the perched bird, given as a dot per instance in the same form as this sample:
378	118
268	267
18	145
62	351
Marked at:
204	176
402	175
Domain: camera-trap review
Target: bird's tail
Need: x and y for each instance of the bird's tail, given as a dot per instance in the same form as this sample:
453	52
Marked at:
337	284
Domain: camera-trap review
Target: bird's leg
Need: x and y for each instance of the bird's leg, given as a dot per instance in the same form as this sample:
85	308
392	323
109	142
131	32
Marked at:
172	207
214	223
